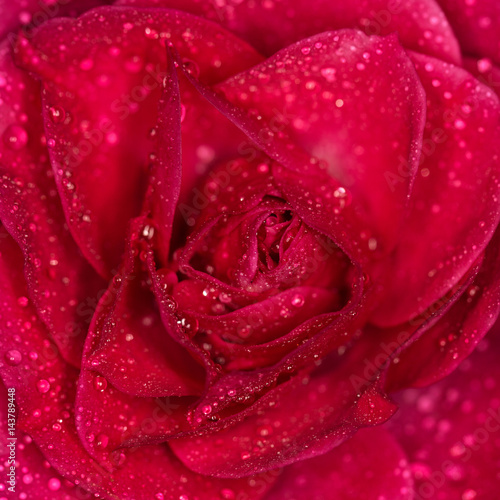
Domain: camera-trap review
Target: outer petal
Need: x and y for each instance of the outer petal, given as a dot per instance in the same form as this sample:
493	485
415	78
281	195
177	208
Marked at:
35	477
475	24
371	465
330	88
278	431
451	430
44	393
272	25
485	71
62	285
100	105
24	16
455	208
457	333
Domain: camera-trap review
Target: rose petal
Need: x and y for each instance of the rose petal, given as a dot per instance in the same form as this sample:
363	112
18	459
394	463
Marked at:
484	71
279	431
31	212
111	71
128	343
475	24
27	15
330	88
457	333
44	394
450	431
454	209
370	465
270	26
35	477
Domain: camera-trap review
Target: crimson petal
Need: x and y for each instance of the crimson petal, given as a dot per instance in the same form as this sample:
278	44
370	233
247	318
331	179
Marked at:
330	88
44	386
271	26
281	432
475	25
450	430
371	465
454	209
31	211
457	333
98	123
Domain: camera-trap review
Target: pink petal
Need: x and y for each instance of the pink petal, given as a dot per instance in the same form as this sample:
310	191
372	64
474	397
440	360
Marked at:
475	24
24	17
450	430
454	211
329	89
45	396
35	477
31	211
109	108
485	71
370	465
270	26
128	343
278	431
457	333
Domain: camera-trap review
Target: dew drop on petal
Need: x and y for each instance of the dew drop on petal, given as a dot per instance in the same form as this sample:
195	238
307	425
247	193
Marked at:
43	386
23	301
54	484
15	137
100	383
297	300
13	357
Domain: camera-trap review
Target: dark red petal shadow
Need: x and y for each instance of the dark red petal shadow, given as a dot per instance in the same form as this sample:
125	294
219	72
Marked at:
454	210
475	24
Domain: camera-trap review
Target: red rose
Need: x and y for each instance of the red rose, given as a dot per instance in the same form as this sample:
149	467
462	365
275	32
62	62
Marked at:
231	231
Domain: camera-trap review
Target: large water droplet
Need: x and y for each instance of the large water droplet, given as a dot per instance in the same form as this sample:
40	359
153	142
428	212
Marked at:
13	357
15	137
43	386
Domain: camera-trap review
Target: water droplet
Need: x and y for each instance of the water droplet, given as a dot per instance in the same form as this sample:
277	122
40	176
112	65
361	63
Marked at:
469	494
23	301
57	114
484	65
297	300
459	124
43	386
54	484
13	357
102	441
148	232
206	410
87	64
100	383
15	137
227	494
328	74
190	325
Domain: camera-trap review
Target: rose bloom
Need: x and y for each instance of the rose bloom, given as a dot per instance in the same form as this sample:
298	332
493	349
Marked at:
236	236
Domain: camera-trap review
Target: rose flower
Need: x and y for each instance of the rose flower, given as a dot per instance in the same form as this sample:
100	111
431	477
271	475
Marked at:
236	236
